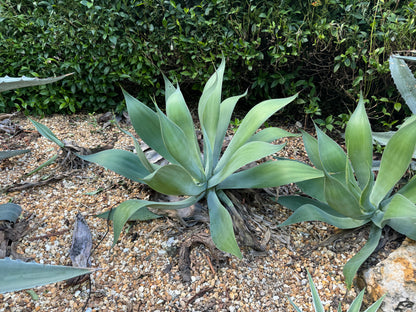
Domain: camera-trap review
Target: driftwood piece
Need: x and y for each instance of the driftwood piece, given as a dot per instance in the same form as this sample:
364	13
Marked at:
80	249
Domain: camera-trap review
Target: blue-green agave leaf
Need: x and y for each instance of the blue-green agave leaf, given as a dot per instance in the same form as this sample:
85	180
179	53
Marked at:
173	180
352	266
182	150
221	226
209	104
17	275
394	161
11	83
359	143
11	153
313	188
246	154
251	122
409	190
146	124
122	162
400	214
405	81
317	304
312	149
226	110
46	132
10	212
169	88
270	174
376	305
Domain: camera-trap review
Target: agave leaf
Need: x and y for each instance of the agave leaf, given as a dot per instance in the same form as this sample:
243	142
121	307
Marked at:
294	305
313	188
146	124
10	83
180	148
356	304
178	112
132	208
173	180
17	275
11	153
359	144
394	162
246	154
376	305
221	226
209	103
317	304
270	134
352	266
43	165
142	157
332	156
226	110
341	199
405	81
400	214
10	212
407	58
316	211
270	174
169	88
122	162
409	190
251	122
47	133
312	149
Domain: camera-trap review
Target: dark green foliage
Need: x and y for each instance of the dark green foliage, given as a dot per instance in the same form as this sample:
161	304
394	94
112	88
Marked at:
327	50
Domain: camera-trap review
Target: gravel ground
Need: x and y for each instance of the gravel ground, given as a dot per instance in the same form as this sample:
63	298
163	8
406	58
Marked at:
141	272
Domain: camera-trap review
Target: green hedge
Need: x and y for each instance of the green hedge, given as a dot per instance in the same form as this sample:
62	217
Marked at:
327	50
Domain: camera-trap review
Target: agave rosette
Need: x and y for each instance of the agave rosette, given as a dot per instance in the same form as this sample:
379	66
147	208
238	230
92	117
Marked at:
197	174
348	195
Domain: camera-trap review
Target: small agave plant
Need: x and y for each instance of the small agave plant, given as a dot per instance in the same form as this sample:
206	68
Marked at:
197	175
354	307
348	195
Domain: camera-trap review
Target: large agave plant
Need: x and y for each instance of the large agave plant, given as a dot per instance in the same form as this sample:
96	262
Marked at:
197	175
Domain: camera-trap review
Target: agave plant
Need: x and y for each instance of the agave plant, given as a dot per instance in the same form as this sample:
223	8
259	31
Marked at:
349	196
354	307
195	174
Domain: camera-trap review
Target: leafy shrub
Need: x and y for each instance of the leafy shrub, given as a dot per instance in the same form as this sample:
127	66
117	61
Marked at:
349	195
197	176
328	51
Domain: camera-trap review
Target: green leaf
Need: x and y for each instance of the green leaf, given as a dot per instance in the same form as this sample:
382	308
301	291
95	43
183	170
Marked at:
246	154
376	305
209	104
173	180
360	144
312	149
400	214
394	161
409	190
47	133
169	88
10	83
405	81
317	304
17	275
251	122
352	266
221	226
11	153
356	304
180	148
270	174
313	188
339	197
146	124
136	209
178	113
270	134
307	209
10	212
226	110
50	161
122	162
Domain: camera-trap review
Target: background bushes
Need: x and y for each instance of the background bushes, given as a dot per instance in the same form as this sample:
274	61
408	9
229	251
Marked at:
329	50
